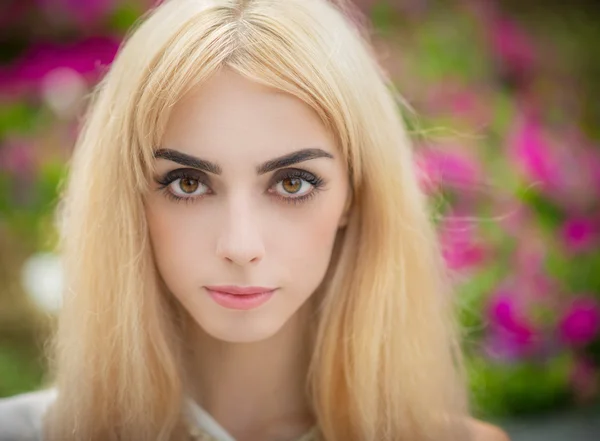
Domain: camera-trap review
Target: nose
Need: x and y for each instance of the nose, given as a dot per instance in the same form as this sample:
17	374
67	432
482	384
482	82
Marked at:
240	240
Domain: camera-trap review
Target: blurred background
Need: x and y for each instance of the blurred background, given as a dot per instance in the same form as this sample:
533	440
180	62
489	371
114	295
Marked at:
505	120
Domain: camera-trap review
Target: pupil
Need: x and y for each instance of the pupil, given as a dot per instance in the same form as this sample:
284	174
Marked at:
188	185
292	185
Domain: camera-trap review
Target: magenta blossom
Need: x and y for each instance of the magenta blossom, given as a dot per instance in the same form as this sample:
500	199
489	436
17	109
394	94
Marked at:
580	234
448	167
562	166
507	313
534	154
461	247
580	323
503	345
462	254
513	47
511	333
88	58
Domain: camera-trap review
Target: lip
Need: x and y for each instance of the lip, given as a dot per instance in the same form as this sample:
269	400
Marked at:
239	290
241	298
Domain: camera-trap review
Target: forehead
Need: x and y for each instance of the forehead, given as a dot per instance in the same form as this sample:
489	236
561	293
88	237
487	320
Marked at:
230	113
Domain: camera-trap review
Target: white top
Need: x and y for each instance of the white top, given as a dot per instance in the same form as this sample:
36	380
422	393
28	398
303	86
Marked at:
21	417
202	419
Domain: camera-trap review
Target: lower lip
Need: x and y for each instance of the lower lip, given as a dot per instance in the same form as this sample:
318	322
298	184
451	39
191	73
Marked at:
240	301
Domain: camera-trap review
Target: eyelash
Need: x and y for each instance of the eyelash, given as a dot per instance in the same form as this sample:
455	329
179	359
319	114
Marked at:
172	176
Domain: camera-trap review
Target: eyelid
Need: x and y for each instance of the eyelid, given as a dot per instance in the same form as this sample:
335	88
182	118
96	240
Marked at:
284	173
178	173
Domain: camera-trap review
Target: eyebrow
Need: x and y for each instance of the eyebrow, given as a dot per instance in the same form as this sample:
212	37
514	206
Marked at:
266	167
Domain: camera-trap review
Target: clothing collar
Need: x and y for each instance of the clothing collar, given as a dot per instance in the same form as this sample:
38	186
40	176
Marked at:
202	419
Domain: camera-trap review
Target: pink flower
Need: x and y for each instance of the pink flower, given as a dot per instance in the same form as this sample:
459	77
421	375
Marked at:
562	165
505	312
462	249
513	46
502	345
87	57
580	234
580	323
511	334
534	155
447	167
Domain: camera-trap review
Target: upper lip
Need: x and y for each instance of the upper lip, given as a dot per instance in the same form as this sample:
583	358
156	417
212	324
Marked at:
239	290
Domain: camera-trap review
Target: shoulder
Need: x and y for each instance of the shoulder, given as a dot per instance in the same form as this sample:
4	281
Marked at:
21	415
483	431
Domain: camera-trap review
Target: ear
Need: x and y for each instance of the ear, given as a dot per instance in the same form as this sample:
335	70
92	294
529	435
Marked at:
347	208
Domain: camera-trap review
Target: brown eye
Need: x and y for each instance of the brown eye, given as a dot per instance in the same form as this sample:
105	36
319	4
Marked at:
188	185
187	188
292	185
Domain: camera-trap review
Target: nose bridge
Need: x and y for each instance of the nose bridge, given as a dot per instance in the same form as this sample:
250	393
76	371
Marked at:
240	238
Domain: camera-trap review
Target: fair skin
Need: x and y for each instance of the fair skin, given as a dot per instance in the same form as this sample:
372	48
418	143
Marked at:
263	192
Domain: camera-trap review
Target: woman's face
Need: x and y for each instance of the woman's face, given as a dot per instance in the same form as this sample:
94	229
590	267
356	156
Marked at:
249	193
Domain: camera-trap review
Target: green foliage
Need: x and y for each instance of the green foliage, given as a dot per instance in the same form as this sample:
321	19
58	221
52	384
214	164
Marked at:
18	117
446	49
29	220
580	278
124	16
384	17
549	215
20	370
520	388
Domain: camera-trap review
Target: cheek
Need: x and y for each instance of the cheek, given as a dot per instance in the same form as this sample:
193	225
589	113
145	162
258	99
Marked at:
179	242
304	242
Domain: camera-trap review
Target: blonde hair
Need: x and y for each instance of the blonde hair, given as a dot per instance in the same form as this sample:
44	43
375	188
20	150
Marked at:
386	363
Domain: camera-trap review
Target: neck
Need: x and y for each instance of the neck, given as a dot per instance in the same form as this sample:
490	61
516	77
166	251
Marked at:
255	390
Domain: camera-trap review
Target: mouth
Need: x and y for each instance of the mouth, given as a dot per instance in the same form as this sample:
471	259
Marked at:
237	297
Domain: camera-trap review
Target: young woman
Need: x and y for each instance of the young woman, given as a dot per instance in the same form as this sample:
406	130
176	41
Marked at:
247	252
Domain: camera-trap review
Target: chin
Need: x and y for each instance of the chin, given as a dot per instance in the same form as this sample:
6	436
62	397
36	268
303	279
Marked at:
238	329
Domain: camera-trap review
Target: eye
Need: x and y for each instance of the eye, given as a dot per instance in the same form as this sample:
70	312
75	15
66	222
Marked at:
293	186
184	185
187	187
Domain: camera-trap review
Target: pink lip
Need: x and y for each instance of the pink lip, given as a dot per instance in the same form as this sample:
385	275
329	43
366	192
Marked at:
237	297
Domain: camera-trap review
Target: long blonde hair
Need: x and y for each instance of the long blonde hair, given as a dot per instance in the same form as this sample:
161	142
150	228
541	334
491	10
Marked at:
386	363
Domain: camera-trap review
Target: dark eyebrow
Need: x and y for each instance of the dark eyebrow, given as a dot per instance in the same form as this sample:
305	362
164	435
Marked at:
269	166
292	158
189	160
